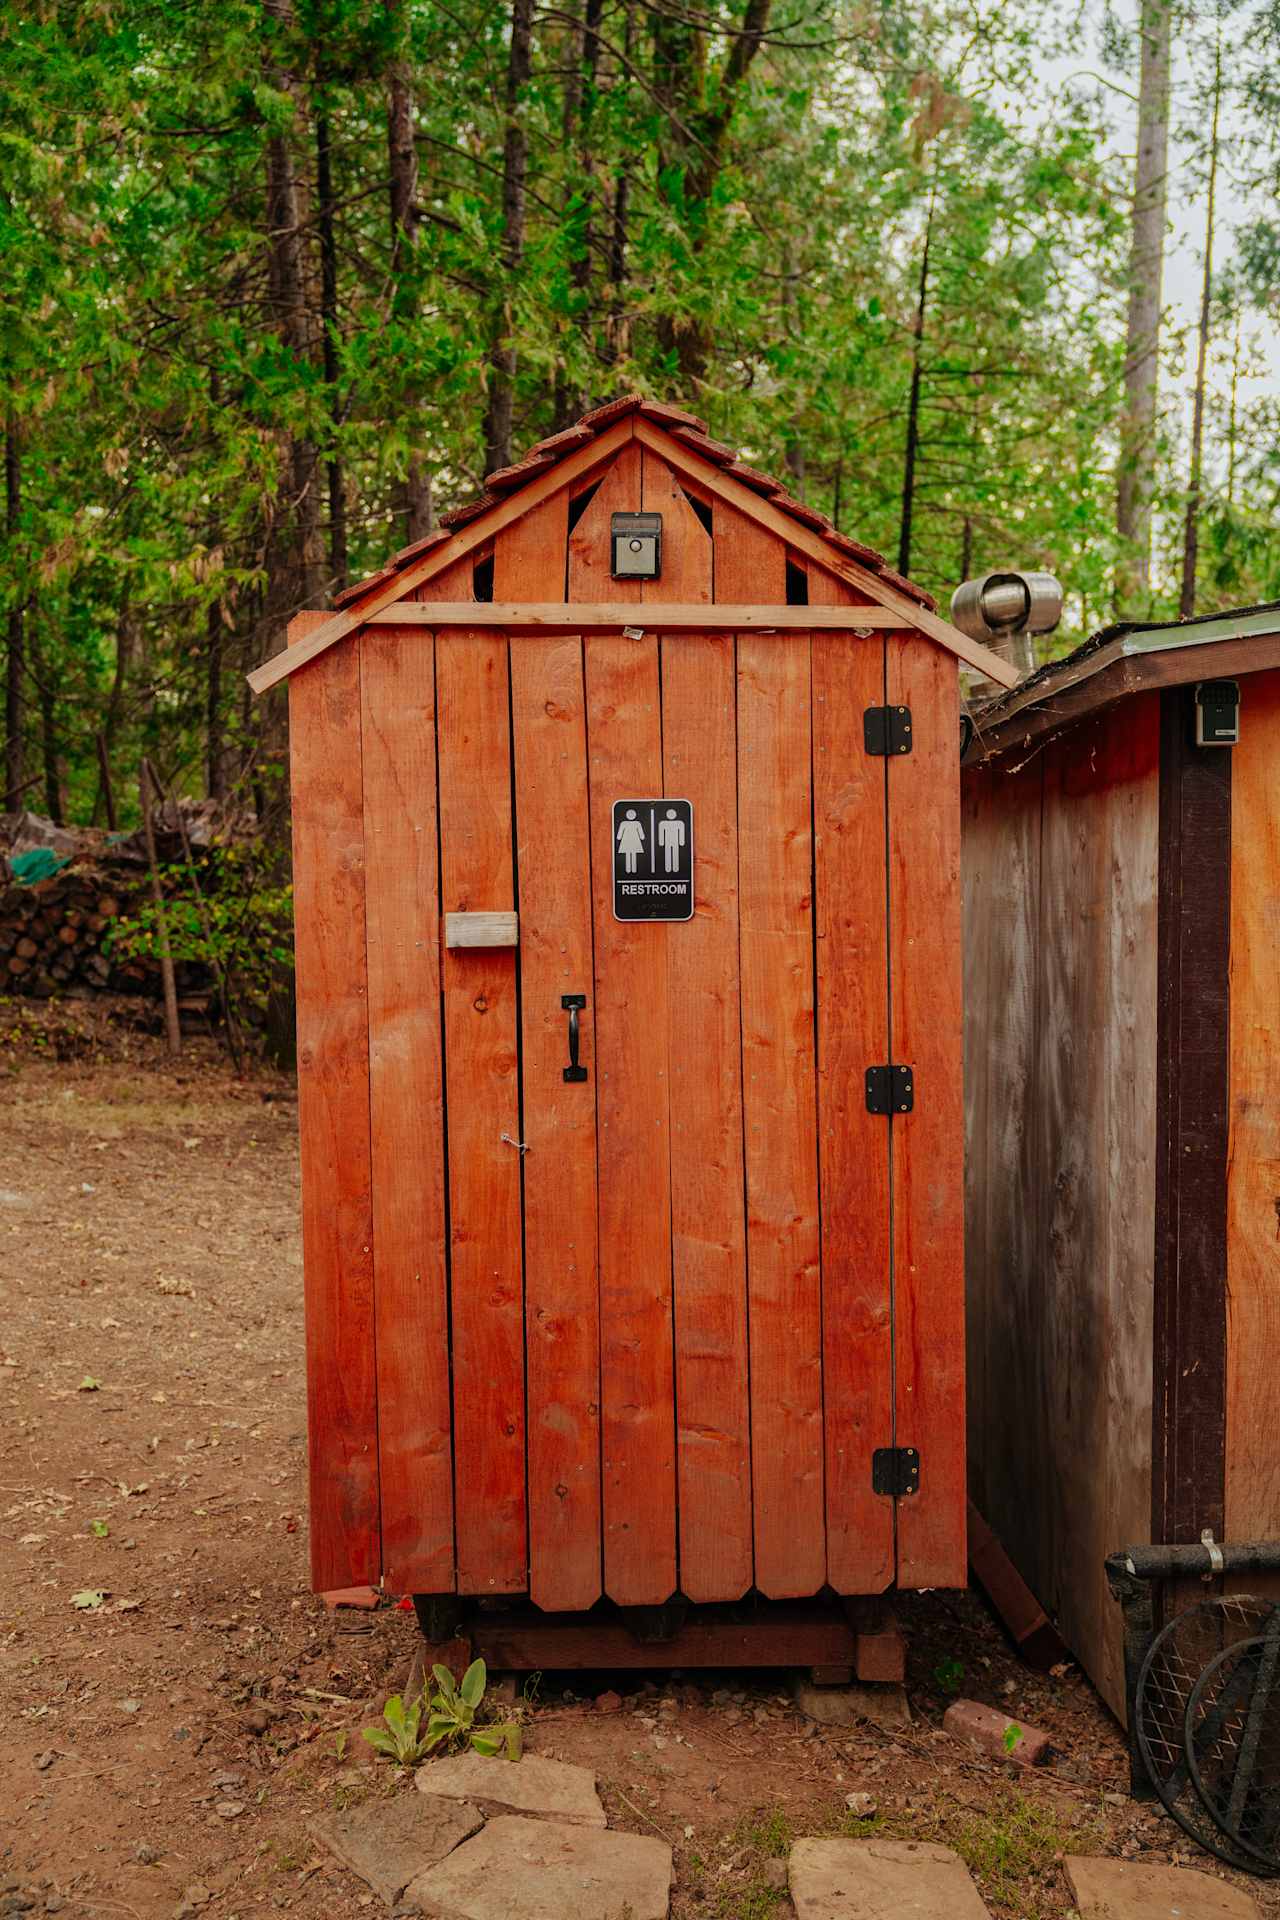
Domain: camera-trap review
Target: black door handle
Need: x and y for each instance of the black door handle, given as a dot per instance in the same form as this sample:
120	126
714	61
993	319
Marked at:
573	1003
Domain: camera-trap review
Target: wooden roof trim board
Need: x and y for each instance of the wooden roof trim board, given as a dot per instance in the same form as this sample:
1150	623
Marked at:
675	436
557	616
464	541
1109	674
815	546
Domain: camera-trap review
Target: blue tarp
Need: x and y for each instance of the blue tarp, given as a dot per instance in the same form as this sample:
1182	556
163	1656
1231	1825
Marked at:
38	864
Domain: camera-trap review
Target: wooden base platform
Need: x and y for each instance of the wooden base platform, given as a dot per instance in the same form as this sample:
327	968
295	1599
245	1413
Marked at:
836	1641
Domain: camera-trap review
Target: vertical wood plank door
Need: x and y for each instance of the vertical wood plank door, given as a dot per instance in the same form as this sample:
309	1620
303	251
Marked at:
477	874
558	1119
689	1296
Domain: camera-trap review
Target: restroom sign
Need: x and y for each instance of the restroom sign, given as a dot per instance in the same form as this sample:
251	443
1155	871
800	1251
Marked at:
653	860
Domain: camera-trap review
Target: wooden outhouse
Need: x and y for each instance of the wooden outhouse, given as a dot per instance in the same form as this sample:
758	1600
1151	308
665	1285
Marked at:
1122	1009
626	816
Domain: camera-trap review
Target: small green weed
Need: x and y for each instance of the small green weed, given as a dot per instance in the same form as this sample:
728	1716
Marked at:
400	1739
450	1721
765	1833
755	1901
1009	1846
948	1675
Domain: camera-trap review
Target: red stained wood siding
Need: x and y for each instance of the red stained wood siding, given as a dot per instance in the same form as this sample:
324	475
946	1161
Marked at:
398	753
333	1116
639	1333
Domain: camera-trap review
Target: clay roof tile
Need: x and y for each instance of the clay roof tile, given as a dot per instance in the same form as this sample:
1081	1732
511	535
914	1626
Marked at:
560	443
470	510
611	410
507	479
753	478
361	587
710	449
808	516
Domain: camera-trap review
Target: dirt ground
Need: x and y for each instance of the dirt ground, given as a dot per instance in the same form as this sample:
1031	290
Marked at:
177	1710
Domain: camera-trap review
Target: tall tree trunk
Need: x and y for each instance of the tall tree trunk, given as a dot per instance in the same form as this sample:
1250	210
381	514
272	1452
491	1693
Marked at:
402	155
912	447
15	662
47	698
616	330
1191	523
692	144
126	636
214	732
579	106
1146	283
500	411
1233	414
329	350
296	570
294	565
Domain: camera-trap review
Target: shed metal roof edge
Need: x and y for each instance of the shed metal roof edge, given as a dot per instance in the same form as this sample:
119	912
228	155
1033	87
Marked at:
1110	665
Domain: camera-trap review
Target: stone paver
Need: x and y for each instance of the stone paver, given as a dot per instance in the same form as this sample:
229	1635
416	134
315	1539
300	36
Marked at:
547	1870
389	1842
1129	1890
884	1706
552	1789
880	1880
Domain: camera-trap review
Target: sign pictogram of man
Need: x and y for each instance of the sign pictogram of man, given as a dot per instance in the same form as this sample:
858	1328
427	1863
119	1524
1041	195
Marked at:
671	840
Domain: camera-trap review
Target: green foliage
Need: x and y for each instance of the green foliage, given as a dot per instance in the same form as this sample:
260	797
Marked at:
234	920
452	1718
732	221
451	1721
399	1739
768	1834
1011	1846
949	1675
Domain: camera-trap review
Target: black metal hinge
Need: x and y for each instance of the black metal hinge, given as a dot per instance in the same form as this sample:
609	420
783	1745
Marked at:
887	730
890	1089
895	1471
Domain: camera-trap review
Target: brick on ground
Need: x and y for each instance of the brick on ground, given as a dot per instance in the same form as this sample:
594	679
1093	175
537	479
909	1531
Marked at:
995	1733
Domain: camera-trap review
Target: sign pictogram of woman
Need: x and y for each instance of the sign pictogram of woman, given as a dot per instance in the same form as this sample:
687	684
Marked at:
631	840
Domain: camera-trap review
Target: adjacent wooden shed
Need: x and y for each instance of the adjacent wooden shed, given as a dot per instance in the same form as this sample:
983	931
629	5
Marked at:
1122	1023
626	849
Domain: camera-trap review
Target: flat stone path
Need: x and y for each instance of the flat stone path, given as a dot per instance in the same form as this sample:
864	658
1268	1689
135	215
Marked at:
547	1870
389	1842
487	1839
551	1789
1128	1890
881	1880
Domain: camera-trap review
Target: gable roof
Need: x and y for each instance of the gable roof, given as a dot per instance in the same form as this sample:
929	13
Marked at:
557	462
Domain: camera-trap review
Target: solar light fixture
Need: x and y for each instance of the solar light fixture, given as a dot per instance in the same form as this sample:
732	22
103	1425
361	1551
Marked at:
996	606
637	546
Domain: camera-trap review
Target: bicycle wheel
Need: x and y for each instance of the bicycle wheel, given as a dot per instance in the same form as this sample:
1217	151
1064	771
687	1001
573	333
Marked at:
1231	1737
1175	1660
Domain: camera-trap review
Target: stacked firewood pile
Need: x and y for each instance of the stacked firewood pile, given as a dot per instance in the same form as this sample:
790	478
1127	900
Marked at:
55	930
53	935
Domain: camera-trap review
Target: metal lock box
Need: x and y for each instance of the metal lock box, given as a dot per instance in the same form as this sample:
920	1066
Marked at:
637	546
1217	713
